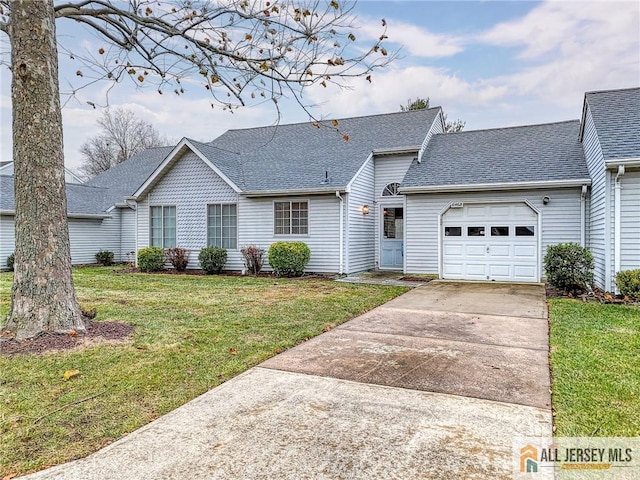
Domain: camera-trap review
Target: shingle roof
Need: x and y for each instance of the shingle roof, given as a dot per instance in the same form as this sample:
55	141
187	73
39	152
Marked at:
616	115
125	178
81	199
296	156
504	155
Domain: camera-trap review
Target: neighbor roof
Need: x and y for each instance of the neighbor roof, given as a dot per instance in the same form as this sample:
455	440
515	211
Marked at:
616	115
534	153
125	178
298	156
81	199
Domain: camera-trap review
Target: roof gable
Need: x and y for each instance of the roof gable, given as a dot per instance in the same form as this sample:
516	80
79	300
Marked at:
528	154
616	116
176	153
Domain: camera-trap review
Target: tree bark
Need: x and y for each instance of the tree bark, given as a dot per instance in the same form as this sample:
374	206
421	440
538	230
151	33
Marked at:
43	297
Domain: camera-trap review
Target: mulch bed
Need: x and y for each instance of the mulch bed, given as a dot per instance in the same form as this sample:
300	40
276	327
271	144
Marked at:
230	273
596	295
409	278
97	332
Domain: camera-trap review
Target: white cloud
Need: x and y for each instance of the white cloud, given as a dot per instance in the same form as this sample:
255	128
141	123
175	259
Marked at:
415	40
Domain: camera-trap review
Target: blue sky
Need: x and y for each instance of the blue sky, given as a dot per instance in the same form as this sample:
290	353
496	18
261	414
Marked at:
490	64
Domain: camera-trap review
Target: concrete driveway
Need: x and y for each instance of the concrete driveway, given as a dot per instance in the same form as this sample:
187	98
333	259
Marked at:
434	384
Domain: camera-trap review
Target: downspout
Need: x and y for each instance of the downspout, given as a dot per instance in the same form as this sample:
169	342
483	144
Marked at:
341	232
583	216
616	220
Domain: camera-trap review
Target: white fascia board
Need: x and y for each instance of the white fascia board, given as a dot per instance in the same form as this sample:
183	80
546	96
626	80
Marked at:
362	167
495	186
627	162
291	193
69	215
396	150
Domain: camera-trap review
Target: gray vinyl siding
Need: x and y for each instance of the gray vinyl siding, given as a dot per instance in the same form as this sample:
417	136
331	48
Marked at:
127	233
560	220
190	185
388	169
599	238
361	228
255	226
7	238
630	221
88	236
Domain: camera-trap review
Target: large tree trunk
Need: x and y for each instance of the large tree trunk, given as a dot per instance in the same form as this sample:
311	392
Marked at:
43	295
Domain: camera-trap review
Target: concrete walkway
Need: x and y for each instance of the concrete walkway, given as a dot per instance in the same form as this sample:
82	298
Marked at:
434	384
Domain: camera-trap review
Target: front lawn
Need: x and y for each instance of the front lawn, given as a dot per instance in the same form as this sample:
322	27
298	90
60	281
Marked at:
595	366
192	333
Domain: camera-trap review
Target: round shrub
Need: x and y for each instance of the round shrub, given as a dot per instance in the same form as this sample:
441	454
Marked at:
11	260
151	259
628	283
212	259
288	259
104	257
569	266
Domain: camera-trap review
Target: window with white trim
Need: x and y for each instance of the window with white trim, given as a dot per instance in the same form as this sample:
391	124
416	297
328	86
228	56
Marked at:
391	190
162	220
291	218
222	225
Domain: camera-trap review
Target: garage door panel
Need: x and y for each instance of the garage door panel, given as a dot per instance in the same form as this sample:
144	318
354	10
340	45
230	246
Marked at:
500	250
525	251
476	251
505	253
454	250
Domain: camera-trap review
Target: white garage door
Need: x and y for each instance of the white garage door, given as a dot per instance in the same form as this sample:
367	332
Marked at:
490	242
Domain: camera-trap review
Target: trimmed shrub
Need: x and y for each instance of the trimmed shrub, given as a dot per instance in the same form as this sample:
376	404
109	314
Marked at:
569	266
212	259
628	282
178	257
253	258
288	259
104	257
151	259
11	260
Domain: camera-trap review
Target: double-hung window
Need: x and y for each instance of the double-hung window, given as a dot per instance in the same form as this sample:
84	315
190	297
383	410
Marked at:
291	218
163	226
222	225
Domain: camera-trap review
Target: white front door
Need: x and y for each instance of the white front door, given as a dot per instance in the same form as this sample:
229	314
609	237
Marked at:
496	241
392	238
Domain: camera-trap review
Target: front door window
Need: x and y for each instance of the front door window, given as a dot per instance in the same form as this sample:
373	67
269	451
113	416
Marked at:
393	223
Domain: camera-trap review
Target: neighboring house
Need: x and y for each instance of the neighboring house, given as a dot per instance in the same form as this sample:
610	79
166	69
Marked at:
610	135
6	168
399	194
99	216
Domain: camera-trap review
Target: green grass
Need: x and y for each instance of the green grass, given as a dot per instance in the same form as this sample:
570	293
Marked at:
186	328
595	363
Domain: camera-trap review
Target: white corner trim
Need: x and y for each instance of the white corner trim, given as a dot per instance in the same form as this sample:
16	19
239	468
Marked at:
362	167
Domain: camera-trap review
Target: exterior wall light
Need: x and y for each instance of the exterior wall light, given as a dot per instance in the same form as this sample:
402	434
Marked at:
365	209
546	199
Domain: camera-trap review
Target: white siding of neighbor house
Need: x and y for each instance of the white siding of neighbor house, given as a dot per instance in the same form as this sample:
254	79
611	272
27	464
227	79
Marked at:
388	169
361	228
7	238
87	236
599	226
69	177
256	227
560	220
630	221
190	185
127	233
